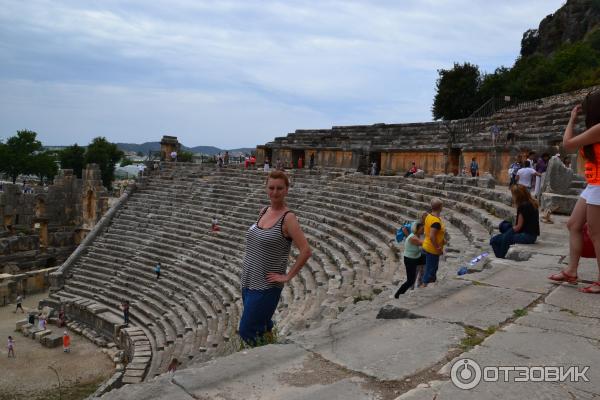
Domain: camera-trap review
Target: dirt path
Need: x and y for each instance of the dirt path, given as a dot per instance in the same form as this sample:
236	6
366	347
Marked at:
28	375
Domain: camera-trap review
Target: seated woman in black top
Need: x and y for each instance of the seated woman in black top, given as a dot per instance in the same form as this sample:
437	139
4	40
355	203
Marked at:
527	228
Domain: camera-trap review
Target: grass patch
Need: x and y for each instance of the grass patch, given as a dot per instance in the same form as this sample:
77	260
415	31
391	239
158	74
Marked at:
360	297
573	313
476	336
377	291
268	338
519	312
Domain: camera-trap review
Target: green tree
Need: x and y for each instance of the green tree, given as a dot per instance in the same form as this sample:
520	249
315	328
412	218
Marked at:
72	157
18	152
457	92
125	162
44	165
185	156
106	155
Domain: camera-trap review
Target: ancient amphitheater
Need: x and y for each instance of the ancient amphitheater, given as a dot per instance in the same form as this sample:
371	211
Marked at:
340	335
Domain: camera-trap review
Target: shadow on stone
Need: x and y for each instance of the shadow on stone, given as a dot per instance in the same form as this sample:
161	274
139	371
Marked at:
392	312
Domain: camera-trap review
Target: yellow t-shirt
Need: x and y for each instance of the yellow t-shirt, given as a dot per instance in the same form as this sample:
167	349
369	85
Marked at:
439	237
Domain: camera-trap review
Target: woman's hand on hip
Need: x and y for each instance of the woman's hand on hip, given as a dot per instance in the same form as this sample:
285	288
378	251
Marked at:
272	277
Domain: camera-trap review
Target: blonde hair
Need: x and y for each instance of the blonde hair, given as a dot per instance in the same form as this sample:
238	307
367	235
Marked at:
279	175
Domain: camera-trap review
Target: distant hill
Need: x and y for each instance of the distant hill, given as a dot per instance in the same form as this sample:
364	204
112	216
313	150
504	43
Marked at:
155	146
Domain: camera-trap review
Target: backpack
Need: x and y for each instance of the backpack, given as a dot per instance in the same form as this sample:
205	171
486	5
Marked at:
400	236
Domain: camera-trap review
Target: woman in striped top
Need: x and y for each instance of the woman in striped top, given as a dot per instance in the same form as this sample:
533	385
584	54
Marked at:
268	243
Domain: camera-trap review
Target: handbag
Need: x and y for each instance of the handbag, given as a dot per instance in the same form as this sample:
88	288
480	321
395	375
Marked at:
587	250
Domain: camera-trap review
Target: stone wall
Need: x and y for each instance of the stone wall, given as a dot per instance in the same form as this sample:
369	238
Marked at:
40	229
436	147
27	283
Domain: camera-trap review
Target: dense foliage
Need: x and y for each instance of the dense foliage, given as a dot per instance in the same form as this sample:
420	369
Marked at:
72	157
572	66
22	154
106	155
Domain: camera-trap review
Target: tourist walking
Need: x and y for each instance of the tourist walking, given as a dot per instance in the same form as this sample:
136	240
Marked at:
540	167
433	244
266	166
587	208
527	227
526	176
19	304
311	161
514	168
157	270
373	168
268	243
413	257
474	167
66	342
125	308
11	347
61	318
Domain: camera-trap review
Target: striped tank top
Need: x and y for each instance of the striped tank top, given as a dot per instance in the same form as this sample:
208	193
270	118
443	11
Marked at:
267	250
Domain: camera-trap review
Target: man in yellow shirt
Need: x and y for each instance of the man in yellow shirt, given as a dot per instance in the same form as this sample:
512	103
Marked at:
433	245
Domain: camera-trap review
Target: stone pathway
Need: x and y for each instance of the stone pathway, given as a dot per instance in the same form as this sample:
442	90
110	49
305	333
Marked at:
507	314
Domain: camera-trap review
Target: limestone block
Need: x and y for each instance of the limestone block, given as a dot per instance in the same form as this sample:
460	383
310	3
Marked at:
486	181
40	334
53	340
420	174
560	204
518	254
558	177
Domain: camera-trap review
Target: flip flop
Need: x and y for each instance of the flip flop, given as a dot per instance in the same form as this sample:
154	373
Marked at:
590	289
562	276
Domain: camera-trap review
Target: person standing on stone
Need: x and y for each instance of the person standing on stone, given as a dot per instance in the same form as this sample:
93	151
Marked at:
300	163
540	168
587	208
266	166
526	176
226	158
514	168
433	245
527	228
413	257
66	342
264	269
474	168
157	270
125	308
11	347
19	304
373	168
311	161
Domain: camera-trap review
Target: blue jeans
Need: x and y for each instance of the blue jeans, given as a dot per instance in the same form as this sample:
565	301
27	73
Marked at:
259	307
501	242
432	261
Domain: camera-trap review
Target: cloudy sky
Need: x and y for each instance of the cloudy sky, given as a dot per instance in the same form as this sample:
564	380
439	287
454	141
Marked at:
238	73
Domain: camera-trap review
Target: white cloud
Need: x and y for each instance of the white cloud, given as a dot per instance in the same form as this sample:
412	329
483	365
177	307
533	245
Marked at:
294	62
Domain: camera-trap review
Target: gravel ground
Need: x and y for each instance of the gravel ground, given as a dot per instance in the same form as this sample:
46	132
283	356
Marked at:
28	375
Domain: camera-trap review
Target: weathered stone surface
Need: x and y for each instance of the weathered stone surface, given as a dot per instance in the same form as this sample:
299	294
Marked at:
558	177
509	276
54	340
560	203
356	344
480	306
518	254
569	298
551	318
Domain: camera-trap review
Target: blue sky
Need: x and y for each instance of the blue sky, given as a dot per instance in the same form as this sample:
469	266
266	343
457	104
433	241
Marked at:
238	73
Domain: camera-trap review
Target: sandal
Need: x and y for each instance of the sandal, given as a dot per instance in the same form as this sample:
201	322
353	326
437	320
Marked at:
562	276
591	289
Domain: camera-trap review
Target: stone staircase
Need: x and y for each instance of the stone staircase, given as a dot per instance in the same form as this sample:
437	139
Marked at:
192	312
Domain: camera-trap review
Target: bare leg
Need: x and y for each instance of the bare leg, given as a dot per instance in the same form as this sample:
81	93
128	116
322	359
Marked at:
575	225
593	218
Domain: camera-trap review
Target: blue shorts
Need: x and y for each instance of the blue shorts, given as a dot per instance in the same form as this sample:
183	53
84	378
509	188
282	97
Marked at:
259	307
